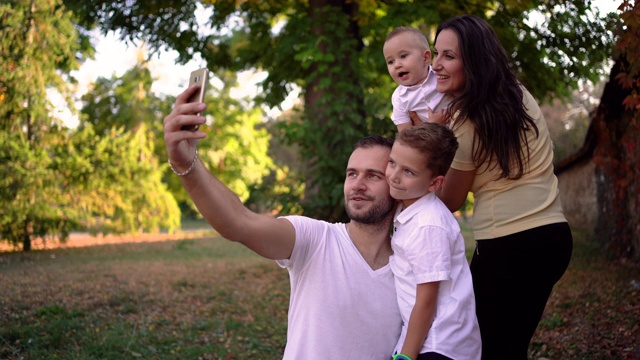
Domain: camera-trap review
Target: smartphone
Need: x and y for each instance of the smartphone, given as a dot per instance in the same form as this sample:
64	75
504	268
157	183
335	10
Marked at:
200	77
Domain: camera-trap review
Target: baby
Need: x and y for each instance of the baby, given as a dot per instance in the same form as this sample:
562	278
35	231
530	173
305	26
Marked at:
406	51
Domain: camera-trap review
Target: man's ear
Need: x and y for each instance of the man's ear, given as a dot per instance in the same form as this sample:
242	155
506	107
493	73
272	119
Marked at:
436	183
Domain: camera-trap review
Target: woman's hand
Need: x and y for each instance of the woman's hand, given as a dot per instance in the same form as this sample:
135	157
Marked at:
415	119
438	117
180	143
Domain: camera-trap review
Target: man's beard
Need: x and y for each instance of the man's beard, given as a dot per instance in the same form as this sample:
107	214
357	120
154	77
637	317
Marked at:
375	214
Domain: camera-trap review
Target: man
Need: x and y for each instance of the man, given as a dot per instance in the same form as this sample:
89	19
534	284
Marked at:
343	302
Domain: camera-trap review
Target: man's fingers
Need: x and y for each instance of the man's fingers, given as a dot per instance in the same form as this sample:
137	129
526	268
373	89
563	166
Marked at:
183	98
184	115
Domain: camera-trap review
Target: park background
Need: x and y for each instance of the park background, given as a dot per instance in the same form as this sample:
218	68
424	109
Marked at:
83	162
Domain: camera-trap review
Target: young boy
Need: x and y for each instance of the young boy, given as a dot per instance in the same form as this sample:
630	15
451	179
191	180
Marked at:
408	58
432	276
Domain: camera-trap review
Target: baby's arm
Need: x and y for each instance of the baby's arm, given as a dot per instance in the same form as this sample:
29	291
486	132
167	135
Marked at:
421	318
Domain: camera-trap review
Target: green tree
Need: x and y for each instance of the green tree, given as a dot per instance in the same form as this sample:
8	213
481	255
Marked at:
331	49
114	182
32	202
236	148
126	102
53	180
122	101
283	189
39	47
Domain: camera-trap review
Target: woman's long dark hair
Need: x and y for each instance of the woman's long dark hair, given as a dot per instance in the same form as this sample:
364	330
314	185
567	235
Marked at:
491	99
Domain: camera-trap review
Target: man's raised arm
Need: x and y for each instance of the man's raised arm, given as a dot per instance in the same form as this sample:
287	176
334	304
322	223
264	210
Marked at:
270	237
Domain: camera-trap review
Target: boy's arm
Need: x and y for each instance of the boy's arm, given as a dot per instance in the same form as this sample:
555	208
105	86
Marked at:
421	318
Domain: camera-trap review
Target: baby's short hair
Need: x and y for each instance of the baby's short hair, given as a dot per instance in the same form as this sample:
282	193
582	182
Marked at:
419	37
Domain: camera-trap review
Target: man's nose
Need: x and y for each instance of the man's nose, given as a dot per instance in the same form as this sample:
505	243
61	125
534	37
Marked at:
358	184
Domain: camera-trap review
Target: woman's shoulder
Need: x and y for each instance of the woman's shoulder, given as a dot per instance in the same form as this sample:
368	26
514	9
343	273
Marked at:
527	98
530	104
460	124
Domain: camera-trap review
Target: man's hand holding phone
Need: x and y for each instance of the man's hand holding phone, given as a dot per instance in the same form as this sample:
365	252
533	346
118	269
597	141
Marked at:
199	77
181	125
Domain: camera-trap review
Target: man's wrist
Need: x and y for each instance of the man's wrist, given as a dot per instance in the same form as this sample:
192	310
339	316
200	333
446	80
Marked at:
190	169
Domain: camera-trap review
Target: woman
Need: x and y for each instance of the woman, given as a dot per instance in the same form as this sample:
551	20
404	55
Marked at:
523	241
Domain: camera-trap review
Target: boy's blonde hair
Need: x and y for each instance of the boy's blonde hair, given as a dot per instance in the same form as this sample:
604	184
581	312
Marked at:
437	142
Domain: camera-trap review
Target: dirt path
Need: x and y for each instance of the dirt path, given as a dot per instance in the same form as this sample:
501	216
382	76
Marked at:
85	239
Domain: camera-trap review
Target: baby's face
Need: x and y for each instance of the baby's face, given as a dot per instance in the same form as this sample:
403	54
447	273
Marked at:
407	61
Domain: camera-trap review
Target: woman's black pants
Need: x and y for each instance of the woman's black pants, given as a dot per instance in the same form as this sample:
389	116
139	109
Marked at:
512	279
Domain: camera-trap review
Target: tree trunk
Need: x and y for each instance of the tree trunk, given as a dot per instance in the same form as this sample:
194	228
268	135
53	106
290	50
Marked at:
318	101
617	160
26	237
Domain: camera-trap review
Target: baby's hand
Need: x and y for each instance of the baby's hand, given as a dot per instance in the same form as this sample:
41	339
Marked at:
437	117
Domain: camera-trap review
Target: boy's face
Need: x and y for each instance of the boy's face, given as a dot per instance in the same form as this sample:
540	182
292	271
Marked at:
408	176
407	62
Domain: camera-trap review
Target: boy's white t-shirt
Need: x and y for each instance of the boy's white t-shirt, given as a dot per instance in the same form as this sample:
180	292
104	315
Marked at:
428	246
339	307
418	98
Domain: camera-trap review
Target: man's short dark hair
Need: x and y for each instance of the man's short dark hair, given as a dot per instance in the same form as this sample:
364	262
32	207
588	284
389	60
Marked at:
373	140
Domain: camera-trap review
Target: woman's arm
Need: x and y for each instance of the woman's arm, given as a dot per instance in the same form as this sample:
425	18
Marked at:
457	184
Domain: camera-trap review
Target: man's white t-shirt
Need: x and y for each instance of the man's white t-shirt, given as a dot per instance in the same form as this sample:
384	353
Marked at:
419	98
428	246
339	307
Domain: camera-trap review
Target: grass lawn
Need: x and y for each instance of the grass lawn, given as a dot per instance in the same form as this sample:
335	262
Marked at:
207	298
